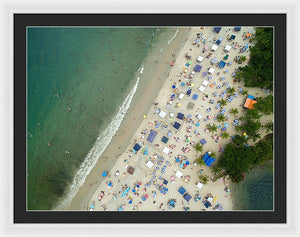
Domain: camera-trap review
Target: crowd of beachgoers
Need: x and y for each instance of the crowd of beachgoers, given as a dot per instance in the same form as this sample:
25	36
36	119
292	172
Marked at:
158	171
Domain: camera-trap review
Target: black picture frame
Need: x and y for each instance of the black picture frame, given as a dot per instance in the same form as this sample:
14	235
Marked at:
21	21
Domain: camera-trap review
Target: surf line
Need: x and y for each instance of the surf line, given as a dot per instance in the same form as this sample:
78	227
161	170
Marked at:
99	146
173	37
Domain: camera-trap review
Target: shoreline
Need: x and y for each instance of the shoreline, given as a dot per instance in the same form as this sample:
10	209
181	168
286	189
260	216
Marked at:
147	90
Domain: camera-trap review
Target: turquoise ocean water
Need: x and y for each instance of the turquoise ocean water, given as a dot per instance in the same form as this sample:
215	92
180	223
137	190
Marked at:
256	191
77	81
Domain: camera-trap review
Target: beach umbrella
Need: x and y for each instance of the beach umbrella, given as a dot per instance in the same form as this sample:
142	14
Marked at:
187	163
224	129
130	202
192	84
172	178
133	190
146	196
183	162
172	64
144	116
173	86
182	84
179	104
190	62
177	160
226	125
181	165
104	174
189	92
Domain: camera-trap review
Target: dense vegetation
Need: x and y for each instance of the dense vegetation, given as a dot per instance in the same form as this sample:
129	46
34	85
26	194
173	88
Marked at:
265	105
238	158
259	71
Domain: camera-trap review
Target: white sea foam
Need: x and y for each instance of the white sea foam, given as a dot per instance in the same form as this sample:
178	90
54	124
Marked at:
173	37
141	70
101	143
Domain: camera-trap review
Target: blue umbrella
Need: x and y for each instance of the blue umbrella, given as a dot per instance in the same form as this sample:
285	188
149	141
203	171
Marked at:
173	86
133	190
224	129
187	163
104	174
177	159
226	125
188	92
182	84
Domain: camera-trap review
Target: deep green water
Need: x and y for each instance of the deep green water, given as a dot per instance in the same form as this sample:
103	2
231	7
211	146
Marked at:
77	79
256	191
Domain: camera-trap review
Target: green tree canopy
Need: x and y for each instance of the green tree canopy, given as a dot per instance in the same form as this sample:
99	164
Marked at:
225	135
222	102
250	127
221	118
234	111
198	147
213	128
253	114
259	71
265	104
238	159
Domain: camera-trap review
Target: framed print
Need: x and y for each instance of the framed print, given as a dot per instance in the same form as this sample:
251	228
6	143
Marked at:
149	118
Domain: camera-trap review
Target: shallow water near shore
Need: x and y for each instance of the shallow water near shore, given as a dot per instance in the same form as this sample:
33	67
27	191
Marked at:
256	191
77	80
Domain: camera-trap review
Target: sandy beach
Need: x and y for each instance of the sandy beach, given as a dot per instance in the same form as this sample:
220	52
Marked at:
149	179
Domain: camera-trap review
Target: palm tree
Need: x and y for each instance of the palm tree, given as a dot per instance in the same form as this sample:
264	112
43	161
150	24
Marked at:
213	128
269	126
225	135
222	102
238	76
203	179
213	154
234	111
221	118
199	161
231	90
243	59
198	147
